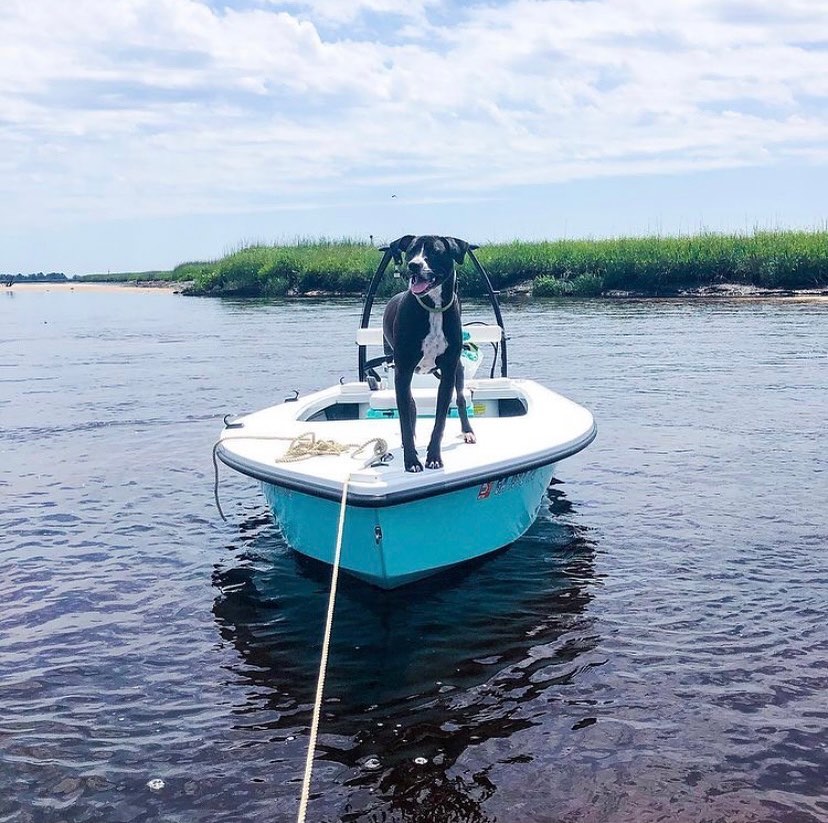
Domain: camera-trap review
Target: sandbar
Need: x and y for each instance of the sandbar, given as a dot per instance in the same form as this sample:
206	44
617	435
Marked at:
145	287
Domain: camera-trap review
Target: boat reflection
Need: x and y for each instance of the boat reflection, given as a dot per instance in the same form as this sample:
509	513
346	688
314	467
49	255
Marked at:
418	675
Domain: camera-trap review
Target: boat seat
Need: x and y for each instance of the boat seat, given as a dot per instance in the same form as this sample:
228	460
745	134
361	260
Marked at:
387	399
471	358
383	403
372	335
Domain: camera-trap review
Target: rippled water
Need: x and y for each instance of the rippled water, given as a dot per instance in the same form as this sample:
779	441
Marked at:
654	648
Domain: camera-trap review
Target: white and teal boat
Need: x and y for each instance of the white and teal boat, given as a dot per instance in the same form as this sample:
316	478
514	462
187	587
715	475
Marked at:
400	526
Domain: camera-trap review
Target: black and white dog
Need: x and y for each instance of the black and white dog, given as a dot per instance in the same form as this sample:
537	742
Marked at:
423	330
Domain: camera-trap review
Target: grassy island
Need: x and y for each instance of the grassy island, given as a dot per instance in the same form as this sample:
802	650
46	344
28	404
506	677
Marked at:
640	266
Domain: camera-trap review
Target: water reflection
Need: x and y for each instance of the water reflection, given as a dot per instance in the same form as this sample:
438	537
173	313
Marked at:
416	676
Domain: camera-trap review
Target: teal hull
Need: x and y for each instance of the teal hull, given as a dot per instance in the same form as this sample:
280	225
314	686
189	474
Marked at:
391	545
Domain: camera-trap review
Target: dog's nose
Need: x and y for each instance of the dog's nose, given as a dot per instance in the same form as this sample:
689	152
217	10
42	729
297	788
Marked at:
415	267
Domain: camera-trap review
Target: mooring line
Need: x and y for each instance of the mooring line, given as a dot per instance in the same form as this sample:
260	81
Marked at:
302	447
323	663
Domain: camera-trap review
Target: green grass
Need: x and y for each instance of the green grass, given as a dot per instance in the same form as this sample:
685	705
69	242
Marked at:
658	266
329	266
183	273
664	265
124	277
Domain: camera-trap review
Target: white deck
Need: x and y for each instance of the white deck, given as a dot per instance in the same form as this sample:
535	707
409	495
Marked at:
553	428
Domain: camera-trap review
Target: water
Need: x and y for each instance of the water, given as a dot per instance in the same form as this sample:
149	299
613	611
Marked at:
655	647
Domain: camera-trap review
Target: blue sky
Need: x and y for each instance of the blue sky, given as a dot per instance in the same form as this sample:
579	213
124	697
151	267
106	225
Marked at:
136	134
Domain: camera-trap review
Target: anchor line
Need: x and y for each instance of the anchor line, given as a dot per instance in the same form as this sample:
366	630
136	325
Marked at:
216	481
323	663
301	448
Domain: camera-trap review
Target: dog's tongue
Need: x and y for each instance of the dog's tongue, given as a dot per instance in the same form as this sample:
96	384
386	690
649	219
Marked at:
420	286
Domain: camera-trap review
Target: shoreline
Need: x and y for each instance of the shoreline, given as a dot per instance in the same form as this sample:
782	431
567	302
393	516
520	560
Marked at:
714	294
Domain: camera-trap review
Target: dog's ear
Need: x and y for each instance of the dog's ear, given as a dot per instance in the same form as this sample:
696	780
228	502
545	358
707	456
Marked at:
401	246
458	248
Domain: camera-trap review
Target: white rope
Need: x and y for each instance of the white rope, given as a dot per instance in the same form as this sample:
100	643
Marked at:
323	663
302	447
307	445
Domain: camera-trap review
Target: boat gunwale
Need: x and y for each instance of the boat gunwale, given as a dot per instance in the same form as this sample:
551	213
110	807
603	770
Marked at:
375	500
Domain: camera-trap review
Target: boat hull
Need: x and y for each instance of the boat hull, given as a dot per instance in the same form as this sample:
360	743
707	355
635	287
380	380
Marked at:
401	526
389	546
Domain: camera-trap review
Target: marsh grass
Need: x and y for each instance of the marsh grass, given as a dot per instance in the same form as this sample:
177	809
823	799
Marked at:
124	277
330	266
664	265
641	265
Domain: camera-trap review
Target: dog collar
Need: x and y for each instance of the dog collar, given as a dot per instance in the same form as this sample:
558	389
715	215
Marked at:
434	309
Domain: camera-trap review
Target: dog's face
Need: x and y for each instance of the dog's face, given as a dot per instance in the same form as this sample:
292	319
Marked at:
429	259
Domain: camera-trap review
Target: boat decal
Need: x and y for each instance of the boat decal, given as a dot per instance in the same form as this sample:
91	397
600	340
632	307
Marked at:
502	484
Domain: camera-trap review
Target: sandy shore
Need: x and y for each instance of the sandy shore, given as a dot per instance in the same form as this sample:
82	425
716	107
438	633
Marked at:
146	288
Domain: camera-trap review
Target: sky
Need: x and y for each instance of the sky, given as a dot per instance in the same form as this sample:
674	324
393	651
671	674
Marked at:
138	134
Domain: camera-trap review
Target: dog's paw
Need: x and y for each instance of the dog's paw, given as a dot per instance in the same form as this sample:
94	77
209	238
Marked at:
416	466
468	437
434	463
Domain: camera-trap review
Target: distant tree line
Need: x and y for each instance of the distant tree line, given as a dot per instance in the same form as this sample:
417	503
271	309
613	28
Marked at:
40	277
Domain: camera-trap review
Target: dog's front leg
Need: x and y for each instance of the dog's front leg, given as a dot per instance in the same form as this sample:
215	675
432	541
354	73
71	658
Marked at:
407	410
434	459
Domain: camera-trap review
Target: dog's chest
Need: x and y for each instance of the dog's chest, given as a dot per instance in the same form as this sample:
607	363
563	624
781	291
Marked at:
434	343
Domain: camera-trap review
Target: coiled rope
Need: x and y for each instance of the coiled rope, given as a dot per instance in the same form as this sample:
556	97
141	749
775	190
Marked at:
302	447
306	445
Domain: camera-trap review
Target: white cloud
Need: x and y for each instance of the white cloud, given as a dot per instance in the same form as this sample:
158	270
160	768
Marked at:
145	107
346	11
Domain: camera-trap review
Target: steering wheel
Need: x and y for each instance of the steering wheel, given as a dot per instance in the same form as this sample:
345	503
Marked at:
371	365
